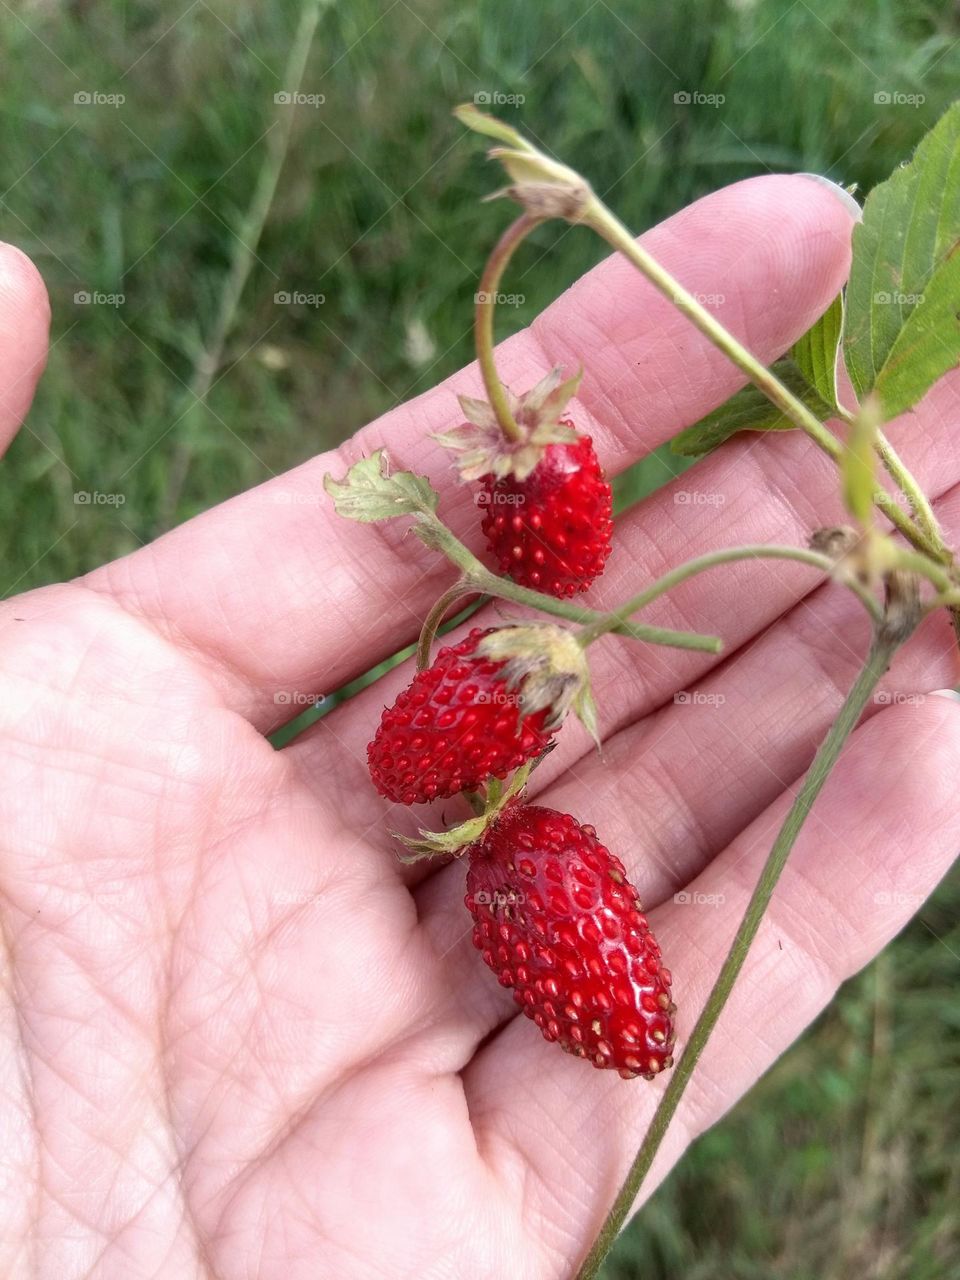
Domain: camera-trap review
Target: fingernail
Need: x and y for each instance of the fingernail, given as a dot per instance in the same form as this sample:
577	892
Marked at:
946	693
845	198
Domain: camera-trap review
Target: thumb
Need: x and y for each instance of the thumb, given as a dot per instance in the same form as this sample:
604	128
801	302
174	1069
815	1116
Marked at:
24	331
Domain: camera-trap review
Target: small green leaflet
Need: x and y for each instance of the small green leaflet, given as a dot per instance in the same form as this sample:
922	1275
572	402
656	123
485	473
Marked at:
902	331
370	493
750	410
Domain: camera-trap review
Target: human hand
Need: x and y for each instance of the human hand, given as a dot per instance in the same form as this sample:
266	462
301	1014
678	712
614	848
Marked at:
239	1037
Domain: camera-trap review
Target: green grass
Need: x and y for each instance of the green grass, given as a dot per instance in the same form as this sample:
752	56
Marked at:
842	1161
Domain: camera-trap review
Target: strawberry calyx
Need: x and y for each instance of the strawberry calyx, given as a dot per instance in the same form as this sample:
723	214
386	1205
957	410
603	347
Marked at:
483	448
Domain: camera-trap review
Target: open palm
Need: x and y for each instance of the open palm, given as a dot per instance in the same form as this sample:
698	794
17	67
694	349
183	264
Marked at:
239	1038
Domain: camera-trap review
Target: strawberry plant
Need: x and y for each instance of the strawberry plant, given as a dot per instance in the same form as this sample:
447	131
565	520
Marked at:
555	916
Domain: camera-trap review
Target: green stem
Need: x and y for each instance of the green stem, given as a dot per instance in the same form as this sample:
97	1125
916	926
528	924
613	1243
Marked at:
483	323
919	503
884	646
619	617
482	581
431	623
610	228
538	173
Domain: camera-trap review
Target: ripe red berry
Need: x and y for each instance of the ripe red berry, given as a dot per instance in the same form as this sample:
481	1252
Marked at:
557	920
457	725
552	530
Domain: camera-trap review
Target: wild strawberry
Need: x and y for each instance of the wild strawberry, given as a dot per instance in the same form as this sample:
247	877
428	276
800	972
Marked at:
552	530
459	723
547	506
558	921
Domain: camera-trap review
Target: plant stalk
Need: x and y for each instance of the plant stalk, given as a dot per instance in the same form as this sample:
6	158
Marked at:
620	617
460	590
477	578
884	646
483	320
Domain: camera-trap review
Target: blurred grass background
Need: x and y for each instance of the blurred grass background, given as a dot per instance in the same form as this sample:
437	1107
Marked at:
843	1161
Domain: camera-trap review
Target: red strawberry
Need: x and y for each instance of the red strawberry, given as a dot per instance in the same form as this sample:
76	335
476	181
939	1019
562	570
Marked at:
456	725
558	921
552	530
548	508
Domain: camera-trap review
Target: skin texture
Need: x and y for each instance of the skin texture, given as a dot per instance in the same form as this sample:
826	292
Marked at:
237	1037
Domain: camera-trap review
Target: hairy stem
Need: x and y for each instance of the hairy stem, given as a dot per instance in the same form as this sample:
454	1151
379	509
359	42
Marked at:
460	590
476	577
728	555
608	225
882	650
483	322
907	483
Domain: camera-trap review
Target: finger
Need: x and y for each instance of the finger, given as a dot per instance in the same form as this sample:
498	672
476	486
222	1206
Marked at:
279	551
883	833
24	330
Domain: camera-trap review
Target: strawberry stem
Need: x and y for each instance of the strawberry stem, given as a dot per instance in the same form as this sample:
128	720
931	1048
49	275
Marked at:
477	578
486	298
460	590
887	639
618	620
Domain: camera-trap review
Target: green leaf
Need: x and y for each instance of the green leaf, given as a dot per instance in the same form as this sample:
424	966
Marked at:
902	332
815	353
750	410
370	493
